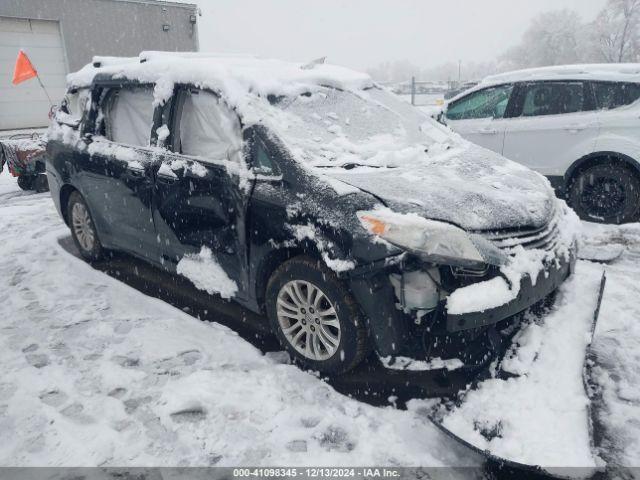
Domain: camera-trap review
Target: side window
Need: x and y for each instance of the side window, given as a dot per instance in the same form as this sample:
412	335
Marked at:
263	162
487	103
129	115
207	128
615	94
553	98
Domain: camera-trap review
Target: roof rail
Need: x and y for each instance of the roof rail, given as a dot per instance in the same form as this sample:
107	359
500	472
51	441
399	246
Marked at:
155	54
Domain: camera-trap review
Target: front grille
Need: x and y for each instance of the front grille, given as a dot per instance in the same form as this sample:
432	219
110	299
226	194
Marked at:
544	237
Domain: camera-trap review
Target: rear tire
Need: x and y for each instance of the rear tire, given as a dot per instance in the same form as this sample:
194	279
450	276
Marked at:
606	193
315	317
83	229
25	182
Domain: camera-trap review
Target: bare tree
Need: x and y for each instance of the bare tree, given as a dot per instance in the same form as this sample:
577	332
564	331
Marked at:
553	38
614	33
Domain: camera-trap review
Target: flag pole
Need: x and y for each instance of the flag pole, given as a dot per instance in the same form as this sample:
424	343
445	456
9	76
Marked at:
45	90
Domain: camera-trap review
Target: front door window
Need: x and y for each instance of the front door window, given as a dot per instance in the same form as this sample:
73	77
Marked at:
486	103
207	129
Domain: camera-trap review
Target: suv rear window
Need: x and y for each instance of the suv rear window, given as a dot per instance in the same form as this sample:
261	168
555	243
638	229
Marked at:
615	94
129	115
552	98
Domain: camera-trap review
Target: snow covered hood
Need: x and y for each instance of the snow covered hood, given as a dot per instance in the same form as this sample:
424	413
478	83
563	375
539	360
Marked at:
373	141
466	185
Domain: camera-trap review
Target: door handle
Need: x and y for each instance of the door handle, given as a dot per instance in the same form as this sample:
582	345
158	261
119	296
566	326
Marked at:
488	131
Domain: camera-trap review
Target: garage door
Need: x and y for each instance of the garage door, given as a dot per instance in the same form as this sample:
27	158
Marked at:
26	105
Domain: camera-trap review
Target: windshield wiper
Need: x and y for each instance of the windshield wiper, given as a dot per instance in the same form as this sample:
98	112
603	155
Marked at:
351	166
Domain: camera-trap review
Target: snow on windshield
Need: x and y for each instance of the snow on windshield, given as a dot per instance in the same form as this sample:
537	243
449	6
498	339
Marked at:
329	126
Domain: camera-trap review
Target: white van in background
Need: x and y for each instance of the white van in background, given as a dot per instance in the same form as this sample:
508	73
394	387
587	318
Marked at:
577	124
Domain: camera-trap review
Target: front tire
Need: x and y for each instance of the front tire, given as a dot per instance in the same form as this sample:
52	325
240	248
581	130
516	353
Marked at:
315	317
606	193
83	229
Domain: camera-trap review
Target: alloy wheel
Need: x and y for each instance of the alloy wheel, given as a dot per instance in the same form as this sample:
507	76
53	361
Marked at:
603	197
82	226
308	320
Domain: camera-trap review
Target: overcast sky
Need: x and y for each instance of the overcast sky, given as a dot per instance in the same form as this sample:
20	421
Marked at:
364	33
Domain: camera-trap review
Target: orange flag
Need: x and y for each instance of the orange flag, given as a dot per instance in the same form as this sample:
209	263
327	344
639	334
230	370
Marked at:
24	70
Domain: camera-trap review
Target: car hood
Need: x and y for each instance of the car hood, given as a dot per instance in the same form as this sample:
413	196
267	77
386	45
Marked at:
463	184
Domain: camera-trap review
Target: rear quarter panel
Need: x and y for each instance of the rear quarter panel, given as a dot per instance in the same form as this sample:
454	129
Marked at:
620	131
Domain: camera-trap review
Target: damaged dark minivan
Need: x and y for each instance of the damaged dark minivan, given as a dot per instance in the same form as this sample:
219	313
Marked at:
310	194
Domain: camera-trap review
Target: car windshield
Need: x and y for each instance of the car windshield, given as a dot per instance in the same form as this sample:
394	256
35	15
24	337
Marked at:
331	127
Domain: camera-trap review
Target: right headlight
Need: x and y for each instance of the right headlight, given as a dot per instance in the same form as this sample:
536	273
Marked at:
431	240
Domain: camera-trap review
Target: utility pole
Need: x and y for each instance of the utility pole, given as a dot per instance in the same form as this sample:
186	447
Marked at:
413	90
459	71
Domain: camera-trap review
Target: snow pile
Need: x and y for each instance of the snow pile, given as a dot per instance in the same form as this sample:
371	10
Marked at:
539	417
616	347
206	273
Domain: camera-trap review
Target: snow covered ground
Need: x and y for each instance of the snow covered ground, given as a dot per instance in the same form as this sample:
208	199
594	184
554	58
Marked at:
96	373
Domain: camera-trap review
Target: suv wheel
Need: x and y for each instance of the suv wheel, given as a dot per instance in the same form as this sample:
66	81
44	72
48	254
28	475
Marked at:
83	229
315	317
606	193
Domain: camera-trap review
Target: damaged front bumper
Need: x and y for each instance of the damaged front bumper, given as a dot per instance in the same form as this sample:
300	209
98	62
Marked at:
400	331
531	291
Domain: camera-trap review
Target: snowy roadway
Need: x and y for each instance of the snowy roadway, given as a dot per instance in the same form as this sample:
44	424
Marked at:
96	373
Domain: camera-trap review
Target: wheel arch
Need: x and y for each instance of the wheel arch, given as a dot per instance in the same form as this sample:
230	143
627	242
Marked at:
65	192
272	260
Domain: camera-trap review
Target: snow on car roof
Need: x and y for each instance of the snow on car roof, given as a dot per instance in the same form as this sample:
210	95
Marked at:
613	72
237	78
628	72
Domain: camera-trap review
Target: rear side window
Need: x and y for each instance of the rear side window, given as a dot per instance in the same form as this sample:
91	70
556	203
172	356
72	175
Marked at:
553	98
486	103
615	94
129	115
208	129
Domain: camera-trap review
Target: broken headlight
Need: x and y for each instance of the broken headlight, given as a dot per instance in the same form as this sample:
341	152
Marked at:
432	241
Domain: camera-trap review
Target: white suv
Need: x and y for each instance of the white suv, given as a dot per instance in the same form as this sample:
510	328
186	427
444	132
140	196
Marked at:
577	124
